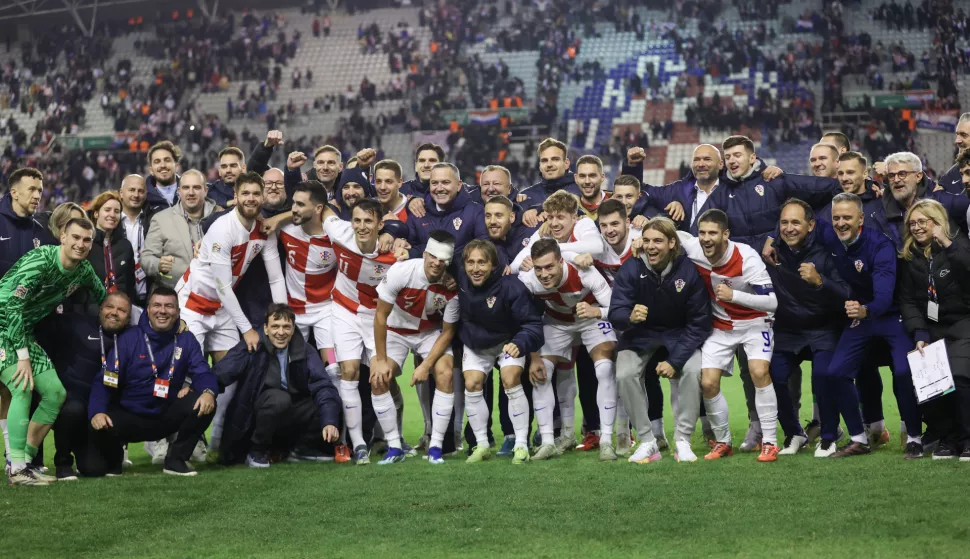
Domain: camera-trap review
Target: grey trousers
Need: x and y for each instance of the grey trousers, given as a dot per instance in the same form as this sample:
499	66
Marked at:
685	390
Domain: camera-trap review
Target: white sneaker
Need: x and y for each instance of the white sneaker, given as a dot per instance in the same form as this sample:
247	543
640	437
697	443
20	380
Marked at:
161	450
125	462
645	453
150	448
198	453
824	449
684	452
796	443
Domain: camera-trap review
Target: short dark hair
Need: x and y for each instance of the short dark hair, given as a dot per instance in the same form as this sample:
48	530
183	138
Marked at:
370	206
809	212
734	141
19	174
610	207
840	140
82	222
316	190
543	247
626	180
854	156
963	159
430	146
167	146
249	177
715	216
501	200
279	311
442	236
390	165
233	150
491	253
162	291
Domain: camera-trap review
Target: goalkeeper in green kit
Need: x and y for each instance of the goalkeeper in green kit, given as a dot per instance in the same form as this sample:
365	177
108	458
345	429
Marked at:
29	291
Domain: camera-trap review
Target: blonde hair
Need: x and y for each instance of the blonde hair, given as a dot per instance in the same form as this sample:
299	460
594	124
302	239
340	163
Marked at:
934	211
666	227
61	215
561	201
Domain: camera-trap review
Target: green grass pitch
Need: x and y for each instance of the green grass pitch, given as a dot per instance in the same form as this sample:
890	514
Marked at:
573	506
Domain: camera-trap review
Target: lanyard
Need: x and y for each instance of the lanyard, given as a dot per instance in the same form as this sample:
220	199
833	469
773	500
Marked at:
110	282
175	355
931	288
105	355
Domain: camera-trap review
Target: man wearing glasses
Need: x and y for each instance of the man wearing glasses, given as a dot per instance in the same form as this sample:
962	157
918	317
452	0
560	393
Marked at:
908	184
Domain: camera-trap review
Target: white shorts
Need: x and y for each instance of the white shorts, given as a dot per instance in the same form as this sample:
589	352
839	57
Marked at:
319	320
561	338
718	351
214	332
484	359
398	345
353	335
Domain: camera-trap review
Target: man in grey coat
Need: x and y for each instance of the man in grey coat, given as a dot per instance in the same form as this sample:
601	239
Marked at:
174	232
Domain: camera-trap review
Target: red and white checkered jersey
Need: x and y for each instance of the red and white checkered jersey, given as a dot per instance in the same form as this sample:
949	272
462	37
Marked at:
311	268
584	239
401	210
227	250
418	304
577	285
742	269
610	261
358	274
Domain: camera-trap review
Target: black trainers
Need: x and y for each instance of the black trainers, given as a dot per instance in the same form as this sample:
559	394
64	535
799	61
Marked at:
176	467
914	451
853	449
308	454
945	451
965	455
65	473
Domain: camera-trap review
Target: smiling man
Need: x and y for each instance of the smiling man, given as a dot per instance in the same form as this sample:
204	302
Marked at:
589	184
29	291
951	181
134	222
20	231
908	184
387	184
162	183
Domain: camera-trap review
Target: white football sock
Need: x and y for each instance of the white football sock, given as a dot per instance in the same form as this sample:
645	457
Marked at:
606	398
911	439
219	418
384	408
352	412
566	391
477	416
519	415
6	437
424	398
657	426
544	402
398	398
458	388
766	403
860	438
441	413
717	415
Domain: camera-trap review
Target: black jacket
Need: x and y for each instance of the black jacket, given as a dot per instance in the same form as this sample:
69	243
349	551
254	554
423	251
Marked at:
951	275
18	235
123	256
307	379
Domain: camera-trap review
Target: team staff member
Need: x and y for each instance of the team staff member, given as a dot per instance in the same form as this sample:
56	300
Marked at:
174	232
811	298
285	399
501	324
935	305
866	260
30	291
162	183
660	302
136	399
112	256
85	342
134	223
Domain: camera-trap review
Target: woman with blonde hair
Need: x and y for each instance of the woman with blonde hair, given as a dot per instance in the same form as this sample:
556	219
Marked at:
934	293
61	215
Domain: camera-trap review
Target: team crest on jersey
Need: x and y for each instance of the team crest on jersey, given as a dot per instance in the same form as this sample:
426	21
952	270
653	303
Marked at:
525	241
20	292
178	353
457	223
679	285
855	322
216	247
36	243
858	265
256	249
72	288
727	282
438	302
760	189
379	270
490	301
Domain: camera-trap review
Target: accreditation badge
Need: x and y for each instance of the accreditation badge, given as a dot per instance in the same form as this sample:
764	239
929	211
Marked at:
161	388
111	379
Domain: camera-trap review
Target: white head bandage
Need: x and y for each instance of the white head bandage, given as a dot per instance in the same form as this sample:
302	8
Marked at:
441	251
